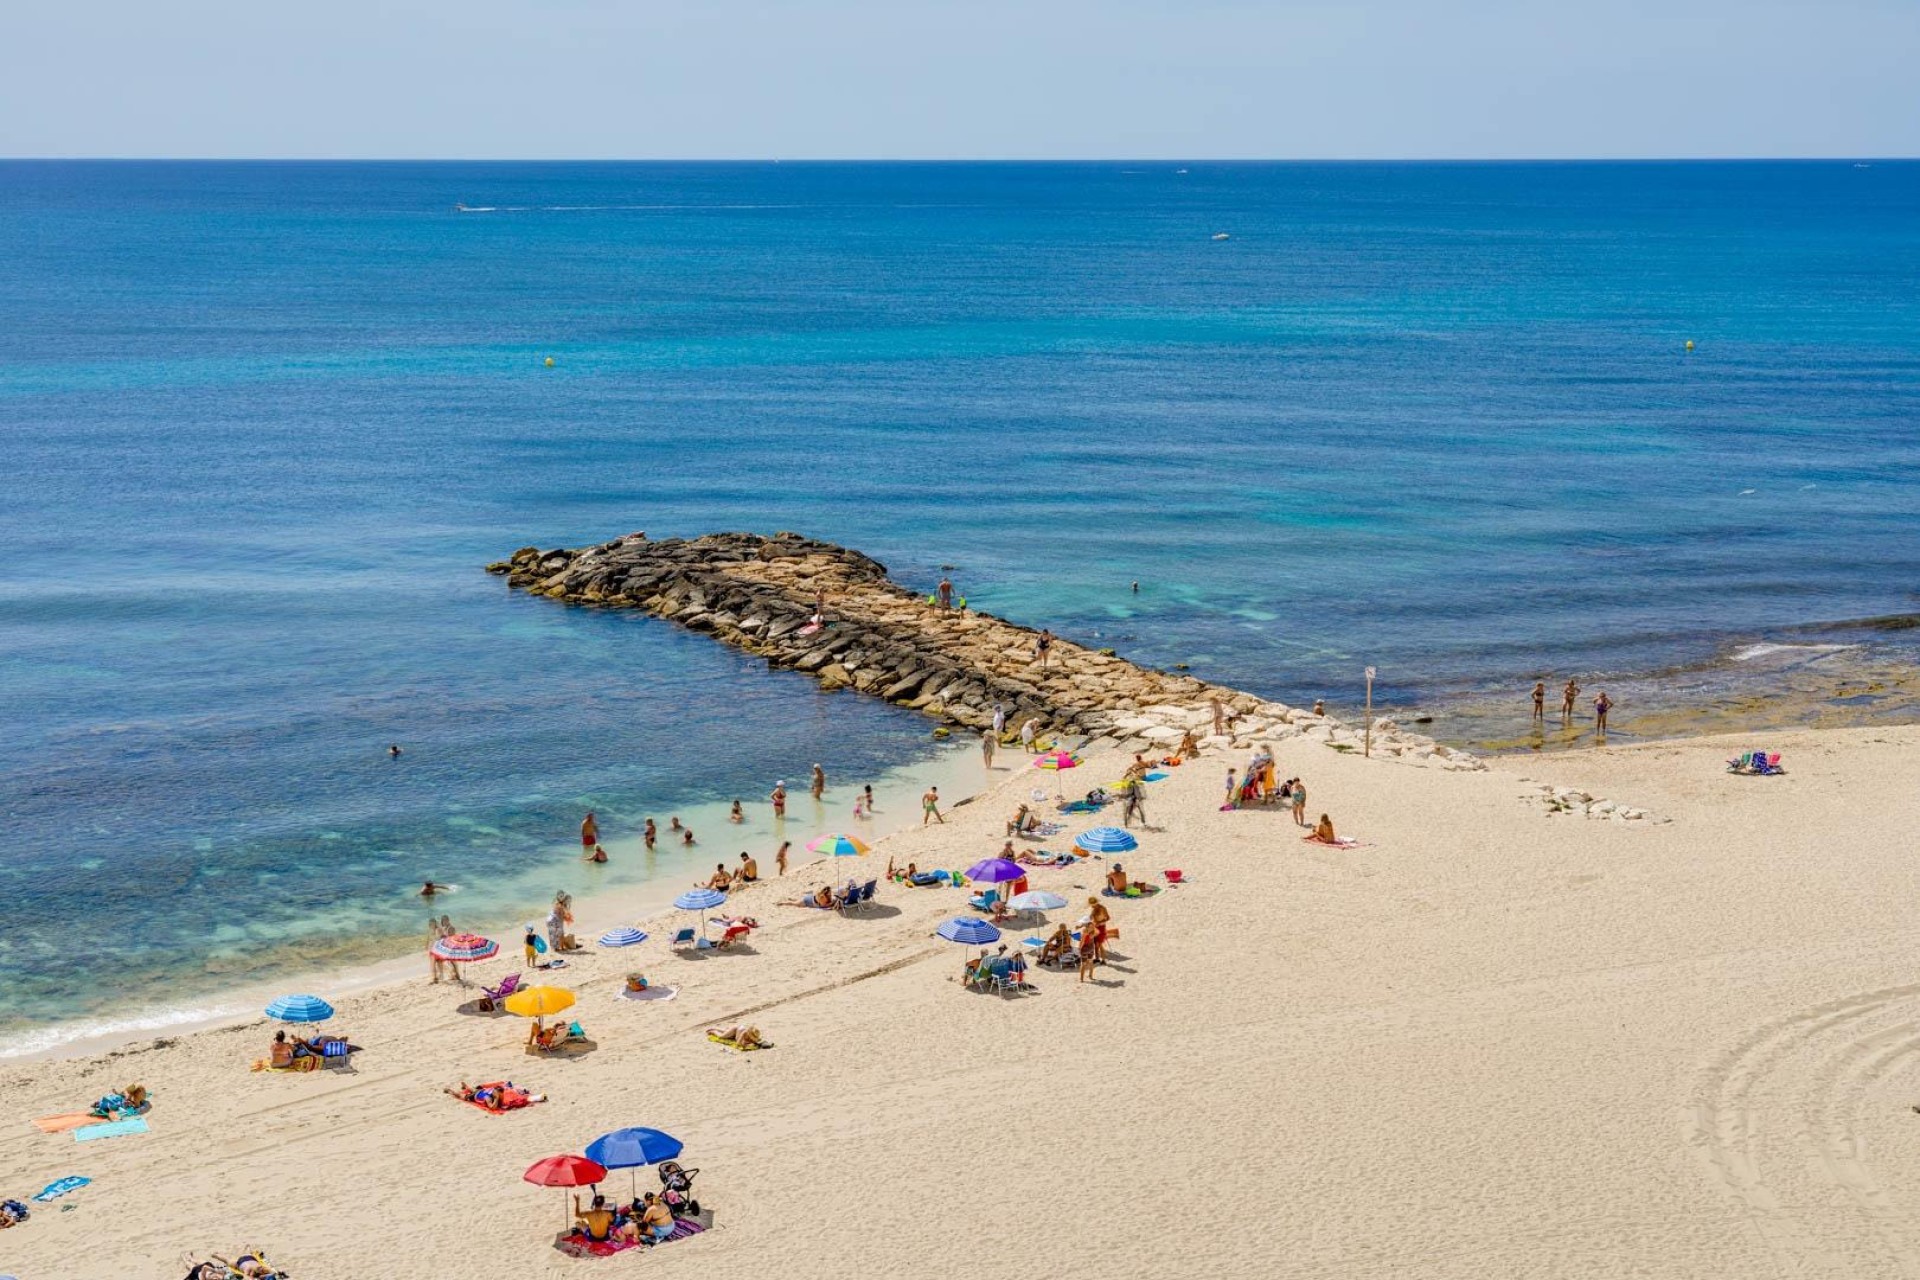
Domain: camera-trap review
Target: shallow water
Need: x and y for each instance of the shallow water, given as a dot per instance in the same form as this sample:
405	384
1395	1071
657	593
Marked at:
266	422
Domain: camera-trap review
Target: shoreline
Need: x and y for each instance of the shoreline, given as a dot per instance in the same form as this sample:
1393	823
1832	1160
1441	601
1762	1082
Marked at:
946	766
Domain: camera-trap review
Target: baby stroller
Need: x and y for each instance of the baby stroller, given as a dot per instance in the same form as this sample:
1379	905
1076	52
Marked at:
676	1188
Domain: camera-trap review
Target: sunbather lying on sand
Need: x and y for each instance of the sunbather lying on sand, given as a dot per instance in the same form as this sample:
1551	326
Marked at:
130	1101
497	1095
738	1036
821	897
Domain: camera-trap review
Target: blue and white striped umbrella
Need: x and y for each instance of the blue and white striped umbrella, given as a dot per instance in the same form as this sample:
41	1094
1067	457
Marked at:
625	936
973	932
699	899
300	1009
1106	840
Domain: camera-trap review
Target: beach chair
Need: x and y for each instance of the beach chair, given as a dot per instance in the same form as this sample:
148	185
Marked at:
867	891
492	998
690	937
734	933
333	1053
1740	763
984	900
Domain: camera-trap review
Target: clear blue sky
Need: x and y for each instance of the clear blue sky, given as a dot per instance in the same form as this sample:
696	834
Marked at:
983	78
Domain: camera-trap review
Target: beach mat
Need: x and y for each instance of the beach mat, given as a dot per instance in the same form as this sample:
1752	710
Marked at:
60	1124
736	1046
116	1129
54	1190
651	993
580	1247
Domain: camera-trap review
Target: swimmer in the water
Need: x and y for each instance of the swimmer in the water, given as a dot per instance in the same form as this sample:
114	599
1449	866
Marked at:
428	889
686	835
394	750
597	855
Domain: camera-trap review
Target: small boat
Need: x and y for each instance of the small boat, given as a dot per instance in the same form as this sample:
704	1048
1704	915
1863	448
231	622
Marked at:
1221	235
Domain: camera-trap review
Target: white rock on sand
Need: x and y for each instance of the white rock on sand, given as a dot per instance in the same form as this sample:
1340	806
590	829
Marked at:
1478	1046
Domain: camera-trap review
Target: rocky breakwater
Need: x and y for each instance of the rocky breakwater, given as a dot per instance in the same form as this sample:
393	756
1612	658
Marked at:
760	594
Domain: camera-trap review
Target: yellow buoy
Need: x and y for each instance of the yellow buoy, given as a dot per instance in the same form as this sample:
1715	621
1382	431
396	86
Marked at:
550	358
1689	347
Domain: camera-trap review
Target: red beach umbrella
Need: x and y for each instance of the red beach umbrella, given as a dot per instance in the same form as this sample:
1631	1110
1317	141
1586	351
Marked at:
564	1171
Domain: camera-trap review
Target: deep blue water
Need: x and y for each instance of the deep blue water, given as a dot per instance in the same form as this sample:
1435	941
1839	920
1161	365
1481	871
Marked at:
265	422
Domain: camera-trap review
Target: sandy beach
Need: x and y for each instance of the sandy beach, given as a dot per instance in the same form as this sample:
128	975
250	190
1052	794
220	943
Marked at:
1495	1040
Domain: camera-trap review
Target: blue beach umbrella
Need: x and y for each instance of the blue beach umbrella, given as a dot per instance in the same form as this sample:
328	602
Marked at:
1106	840
701	900
973	932
300	1009
625	936
632	1148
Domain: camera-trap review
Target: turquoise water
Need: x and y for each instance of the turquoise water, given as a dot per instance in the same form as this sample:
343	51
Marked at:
266	421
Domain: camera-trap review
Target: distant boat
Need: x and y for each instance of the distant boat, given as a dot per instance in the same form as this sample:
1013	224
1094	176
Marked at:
1179	170
1863	166
1221	235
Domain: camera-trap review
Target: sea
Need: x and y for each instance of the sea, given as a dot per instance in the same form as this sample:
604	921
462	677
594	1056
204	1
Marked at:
1653	426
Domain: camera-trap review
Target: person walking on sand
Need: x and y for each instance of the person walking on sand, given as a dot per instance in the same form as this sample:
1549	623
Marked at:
433	936
1601	705
819	787
1299	803
986	746
930	807
780	858
1539	699
1567	696
589	834
1232	791
1136	803
779	798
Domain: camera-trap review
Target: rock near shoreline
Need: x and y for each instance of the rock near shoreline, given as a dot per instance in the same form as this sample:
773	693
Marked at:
760	593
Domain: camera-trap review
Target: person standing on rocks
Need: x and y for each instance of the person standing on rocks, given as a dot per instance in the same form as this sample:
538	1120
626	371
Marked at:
930	807
1219	719
946	593
1029	732
819	787
986	746
1043	647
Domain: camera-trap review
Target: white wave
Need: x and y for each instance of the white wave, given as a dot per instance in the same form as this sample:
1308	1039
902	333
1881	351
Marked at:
48	1039
1748	653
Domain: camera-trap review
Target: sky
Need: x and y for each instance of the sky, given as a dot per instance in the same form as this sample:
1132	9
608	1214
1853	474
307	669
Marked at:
558	79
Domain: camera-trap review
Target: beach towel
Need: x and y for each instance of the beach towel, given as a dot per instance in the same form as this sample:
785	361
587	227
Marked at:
1339	842
1133	891
114	1129
511	1098
735	1045
299	1064
651	993
54	1190
60	1124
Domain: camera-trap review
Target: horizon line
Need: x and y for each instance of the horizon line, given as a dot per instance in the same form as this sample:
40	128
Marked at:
931	160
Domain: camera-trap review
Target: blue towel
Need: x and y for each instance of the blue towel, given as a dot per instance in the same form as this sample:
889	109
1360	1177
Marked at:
116	1129
54	1190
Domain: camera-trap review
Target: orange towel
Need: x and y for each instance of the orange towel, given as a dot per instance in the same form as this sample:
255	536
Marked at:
60	1124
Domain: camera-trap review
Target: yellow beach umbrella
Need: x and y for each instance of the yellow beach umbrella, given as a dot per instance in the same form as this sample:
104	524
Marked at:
539	1002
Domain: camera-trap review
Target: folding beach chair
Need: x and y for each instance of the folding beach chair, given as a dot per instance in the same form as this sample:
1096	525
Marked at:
493	997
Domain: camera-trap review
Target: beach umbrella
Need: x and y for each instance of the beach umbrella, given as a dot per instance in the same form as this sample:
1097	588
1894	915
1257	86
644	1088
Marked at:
995	870
564	1171
1058	761
625	936
701	900
974	932
539	1002
838	845
300	1009
1106	840
1036	900
465	948
631	1148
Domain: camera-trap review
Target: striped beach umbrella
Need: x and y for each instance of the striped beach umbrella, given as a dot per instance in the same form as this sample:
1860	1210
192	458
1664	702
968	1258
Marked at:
300	1009
1056	760
625	936
838	845
1106	840
701	900
974	932
464	948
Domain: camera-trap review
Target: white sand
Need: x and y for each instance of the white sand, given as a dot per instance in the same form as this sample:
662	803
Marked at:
1490	1043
